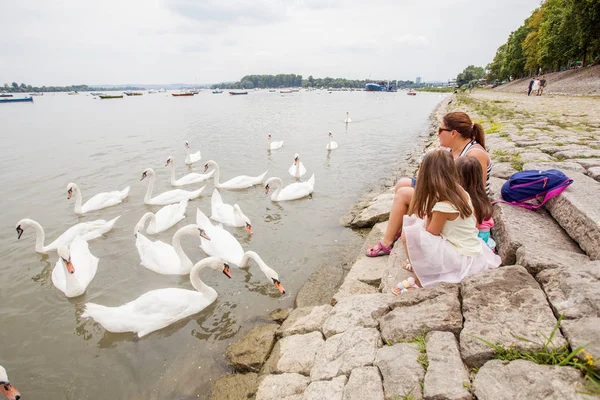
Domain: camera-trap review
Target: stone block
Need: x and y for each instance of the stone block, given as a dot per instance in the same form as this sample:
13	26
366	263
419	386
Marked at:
586	163
500	305
535	261
564	166
344	352
250	353
362	311
533	156
423	310
573	290
502	170
394	272
294	353
280	314
577	212
401	371
594	173
282	387
446	375
589	153
235	387
378	210
351	287
374	236
368	270
553	149
326	390
516	227
583	332
525	380
304	320
364	383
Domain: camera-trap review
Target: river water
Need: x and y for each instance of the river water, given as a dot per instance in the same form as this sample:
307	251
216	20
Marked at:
50	352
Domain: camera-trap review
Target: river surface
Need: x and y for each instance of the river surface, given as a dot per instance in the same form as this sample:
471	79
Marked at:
50	352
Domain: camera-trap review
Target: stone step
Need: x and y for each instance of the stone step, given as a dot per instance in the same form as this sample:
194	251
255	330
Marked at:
282	387
517	226
294	354
500	305
446	377
376	210
401	371
393	271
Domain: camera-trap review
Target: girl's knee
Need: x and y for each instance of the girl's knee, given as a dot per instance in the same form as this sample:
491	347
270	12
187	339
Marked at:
403	182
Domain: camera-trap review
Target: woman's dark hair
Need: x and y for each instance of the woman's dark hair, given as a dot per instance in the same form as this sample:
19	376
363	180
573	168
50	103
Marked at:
470	174
461	123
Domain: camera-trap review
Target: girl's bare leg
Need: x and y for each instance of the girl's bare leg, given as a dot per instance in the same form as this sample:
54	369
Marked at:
400	205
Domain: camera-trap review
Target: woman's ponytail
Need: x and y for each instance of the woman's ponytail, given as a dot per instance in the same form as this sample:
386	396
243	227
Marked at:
478	134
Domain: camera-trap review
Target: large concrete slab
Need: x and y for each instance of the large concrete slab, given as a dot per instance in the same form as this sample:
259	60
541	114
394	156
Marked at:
282	387
294	353
364	383
446	377
362	310
402	373
251	352
535	261
500	305
524	380
326	390
304	320
516	227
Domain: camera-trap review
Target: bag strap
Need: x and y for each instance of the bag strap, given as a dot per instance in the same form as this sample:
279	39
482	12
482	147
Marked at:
547	196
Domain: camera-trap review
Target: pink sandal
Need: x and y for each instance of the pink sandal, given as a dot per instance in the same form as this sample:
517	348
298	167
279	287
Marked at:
379	250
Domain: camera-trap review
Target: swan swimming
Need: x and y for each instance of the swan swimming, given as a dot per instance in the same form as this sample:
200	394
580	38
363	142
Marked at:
160	308
165	218
269	272
98	202
169	197
347	120
163	258
87	230
239	182
293	191
228	214
75	268
222	243
297	169
274	145
331	145
6	388
187	179
191	158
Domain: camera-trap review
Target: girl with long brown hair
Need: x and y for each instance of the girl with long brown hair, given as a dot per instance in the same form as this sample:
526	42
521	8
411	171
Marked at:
440	230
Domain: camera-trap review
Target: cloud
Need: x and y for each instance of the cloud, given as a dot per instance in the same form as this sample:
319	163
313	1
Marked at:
411	40
246	12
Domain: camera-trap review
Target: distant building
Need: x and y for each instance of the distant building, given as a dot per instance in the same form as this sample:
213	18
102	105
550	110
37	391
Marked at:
418	80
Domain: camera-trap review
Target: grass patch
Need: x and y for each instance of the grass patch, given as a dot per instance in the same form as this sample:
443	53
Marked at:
559	143
419	340
494	127
560	124
436	89
501	153
503	134
550	355
517	163
544	128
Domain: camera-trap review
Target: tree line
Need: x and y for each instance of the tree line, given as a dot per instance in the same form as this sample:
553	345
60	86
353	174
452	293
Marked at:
558	35
15	87
293	80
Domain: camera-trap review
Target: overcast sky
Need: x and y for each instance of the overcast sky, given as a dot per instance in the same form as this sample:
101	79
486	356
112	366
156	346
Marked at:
63	42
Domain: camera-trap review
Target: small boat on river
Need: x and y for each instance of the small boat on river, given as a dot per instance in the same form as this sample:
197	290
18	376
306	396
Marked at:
411	93
133	93
17	100
237	93
217	91
111	96
182	94
5	95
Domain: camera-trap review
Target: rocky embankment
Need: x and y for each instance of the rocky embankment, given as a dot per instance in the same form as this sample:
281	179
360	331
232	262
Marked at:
477	339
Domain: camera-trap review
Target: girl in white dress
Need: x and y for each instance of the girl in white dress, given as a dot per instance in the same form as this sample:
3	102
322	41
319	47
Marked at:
440	231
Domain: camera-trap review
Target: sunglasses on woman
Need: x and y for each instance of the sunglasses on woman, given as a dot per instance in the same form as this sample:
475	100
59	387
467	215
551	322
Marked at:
440	130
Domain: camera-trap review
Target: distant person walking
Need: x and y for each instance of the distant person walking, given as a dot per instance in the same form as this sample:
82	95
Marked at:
530	86
535	86
542	86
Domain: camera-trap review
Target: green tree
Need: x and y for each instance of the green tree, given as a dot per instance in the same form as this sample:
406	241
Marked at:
469	74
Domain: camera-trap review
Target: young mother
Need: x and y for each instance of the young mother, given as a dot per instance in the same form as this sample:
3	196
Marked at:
463	137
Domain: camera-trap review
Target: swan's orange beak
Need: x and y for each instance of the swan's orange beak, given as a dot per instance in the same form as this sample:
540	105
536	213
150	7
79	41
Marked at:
226	270
203	234
70	267
267	189
279	286
10	392
69	193
249	228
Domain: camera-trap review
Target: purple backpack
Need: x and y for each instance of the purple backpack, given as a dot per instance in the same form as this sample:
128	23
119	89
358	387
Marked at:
523	187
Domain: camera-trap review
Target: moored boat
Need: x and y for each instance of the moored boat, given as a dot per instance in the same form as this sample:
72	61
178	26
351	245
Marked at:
111	96
237	93
411	93
17	100
182	94
73	93
128	93
285	91
217	91
5	95
36	94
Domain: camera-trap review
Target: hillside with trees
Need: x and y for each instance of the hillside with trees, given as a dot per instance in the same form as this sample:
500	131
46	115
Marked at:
293	80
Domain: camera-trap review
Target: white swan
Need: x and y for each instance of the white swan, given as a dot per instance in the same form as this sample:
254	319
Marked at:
188	179
75	268
160	308
239	182
191	158
274	145
87	230
292	191
6	388
169	197
165	218
297	169
98	202
331	145
269	272
347	120
228	214
163	258
222	243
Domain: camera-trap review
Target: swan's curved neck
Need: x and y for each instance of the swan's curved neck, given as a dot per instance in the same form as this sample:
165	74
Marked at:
78	200
254	256
148	216
279	184
269	145
40	237
184	260
298	168
195	276
217	176
148	195
330	141
173	172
